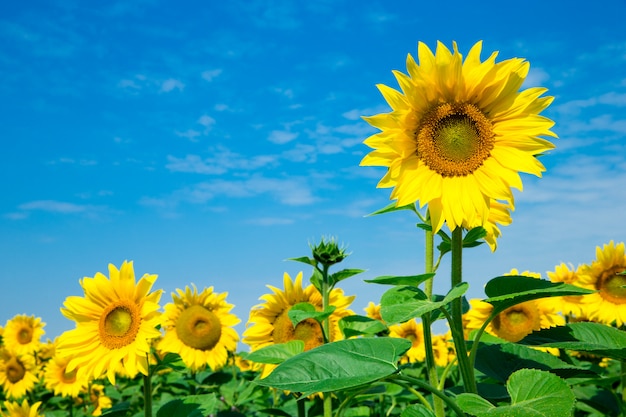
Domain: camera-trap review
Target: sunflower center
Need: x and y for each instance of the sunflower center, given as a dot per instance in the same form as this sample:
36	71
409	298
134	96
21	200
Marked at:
199	328
611	285
516	322
309	331
68	377
454	139
15	371
25	335
119	324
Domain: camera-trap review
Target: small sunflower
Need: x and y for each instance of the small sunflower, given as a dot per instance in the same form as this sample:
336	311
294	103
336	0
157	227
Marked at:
199	327
571	305
98	399
373	311
115	323
18	373
443	349
62	382
606	274
459	134
413	331
15	409
269	322
22	333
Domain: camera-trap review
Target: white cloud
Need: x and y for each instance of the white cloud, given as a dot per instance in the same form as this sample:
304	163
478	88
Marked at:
574	107
270	221
210	75
207	122
53	206
190	134
221	161
171	84
536	77
281	136
194	164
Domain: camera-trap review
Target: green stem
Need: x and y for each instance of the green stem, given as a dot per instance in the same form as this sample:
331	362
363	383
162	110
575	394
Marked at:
328	400
421	384
147	394
301	409
623	380
456	325
431	367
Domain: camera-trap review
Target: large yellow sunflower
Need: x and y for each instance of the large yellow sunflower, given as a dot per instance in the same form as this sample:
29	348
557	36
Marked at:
18	373
199	327
115	323
606	274
459	134
413	331
15	409
269	322
22	334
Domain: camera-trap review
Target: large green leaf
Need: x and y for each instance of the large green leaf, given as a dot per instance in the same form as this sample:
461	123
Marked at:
534	393
499	361
417	410
507	291
360	326
400	304
413	280
595	338
339	365
278	353
344	274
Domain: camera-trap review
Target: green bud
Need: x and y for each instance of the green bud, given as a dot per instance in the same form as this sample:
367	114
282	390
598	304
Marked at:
328	252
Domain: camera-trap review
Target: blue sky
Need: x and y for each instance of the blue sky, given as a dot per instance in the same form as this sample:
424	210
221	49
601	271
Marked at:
210	141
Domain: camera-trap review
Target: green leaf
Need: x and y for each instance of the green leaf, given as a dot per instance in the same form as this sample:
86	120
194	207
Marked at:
392	207
338	365
360	326
425	226
304	260
474	235
499	361
344	274
413	280
317	278
507	291
596	338
417	410
179	408
400	304
278	353
533	393
303	311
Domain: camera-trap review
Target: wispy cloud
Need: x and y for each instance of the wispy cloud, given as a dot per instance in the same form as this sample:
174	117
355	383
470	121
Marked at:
281	136
221	161
270	221
211	75
172	84
55	207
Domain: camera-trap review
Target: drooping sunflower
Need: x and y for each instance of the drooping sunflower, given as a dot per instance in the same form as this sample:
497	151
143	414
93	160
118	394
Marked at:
18	373
607	275
269	322
413	331
459	134
22	333
15	409
62	382
199	327
115	323
516	322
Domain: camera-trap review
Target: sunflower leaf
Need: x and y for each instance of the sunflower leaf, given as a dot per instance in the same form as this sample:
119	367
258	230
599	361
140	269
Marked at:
344	274
304	260
414	280
507	291
303	311
400	304
277	353
596	338
533	393
391	207
338	365
417	410
360	326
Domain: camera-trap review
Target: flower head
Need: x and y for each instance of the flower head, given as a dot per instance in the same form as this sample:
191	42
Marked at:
607	275
459	134
115	323
199	327
22	333
413	331
18	373
15	409
61	381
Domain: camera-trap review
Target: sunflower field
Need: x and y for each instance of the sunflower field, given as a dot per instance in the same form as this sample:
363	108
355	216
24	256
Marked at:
459	133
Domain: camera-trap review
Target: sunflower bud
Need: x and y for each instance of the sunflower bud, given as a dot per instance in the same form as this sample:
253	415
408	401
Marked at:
328	252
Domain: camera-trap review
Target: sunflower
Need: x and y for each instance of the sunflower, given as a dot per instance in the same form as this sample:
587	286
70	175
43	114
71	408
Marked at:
571	305
98	399
62	382
199	327
269	322
22	334
459	134
115	322
606	274
443	349
413	331
373	311
18	373
15	409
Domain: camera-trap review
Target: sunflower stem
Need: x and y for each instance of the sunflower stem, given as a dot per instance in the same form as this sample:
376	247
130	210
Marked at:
426	320
456	325
147	394
328	401
623	381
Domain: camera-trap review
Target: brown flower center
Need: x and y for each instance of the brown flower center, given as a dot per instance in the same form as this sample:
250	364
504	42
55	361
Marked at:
309	331
25	335
612	286
516	322
15	370
454	139
198	327
119	324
